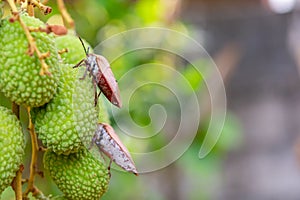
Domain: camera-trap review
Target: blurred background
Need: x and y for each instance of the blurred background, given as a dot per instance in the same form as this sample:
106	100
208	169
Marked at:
256	47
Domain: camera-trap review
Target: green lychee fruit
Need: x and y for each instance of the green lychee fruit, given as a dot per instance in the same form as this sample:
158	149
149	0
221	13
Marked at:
11	147
78	175
69	120
20	80
75	49
103	116
74	55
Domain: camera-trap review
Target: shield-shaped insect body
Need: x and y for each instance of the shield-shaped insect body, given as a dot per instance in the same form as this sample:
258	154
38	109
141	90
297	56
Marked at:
109	143
102	76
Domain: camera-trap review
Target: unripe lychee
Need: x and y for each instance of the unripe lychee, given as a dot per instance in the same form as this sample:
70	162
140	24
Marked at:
11	147
79	175
75	49
20	78
69	120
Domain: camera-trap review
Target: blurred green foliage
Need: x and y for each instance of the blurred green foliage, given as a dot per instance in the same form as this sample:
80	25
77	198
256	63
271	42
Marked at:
97	20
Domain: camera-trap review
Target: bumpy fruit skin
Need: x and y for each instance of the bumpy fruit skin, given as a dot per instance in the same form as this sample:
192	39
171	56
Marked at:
79	175
74	55
69	120
75	49
20	80
11	147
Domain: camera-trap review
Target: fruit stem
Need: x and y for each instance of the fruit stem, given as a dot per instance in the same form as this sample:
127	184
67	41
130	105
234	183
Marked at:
34	150
56	29
68	21
30	10
31	42
16	109
36	3
12	5
17	181
64	50
38	194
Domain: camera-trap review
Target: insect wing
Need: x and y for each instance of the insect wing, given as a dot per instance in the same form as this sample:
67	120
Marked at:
115	137
108	83
102	63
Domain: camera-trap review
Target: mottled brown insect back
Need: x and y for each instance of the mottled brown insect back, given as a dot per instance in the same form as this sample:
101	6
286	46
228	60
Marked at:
100	71
109	143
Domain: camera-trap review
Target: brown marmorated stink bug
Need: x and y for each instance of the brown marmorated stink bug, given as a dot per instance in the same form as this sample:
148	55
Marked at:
102	76
109	143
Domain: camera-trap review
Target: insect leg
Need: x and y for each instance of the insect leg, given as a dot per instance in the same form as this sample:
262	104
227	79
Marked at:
109	167
98	95
102	156
84	75
95	89
78	64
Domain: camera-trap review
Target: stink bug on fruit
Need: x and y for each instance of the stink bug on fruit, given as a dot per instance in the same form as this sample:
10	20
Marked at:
109	143
100	71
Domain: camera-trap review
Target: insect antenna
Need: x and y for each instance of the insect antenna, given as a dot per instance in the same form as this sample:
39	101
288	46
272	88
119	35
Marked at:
86	51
